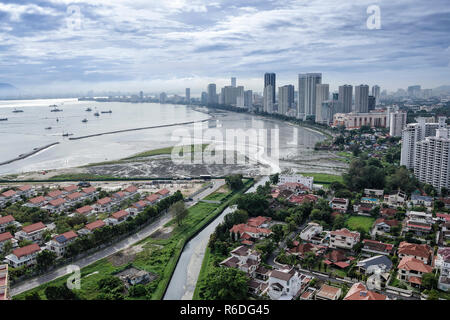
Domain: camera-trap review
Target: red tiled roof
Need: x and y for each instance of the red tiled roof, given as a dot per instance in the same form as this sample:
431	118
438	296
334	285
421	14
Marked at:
5	236
302	198
247	242
345	233
24	188
37	200
27	250
89	190
242	228
55	193
413	249
358	291
104	201
70	188
84	210
8	193
410	263
68	235
388	212
75	195
163	192
34	227
131	189
57	202
388	222
95	225
119	194
152	197
415	280
120	214
444	216
377	245
6	219
328	291
342	264
256	222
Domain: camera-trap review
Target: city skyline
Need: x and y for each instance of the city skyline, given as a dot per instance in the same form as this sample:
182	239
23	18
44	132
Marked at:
162	46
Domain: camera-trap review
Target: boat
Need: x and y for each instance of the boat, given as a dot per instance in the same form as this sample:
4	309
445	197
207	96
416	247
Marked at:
97	114
17	110
88	109
3	119
67	134
84	120
56	110
107	111
53	106
48	128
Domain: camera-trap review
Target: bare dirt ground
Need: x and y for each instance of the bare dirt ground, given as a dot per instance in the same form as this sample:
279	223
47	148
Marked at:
126	256
163	233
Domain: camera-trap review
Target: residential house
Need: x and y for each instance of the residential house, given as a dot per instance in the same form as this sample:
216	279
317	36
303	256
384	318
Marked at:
153	198
411	270
363	209
339	204
419	201
327	292
247	232
5	222
33	232
301	249
337	258
372	247
90	192
443	264
382	226
90	227
4	238
294	187
245	259
380	263
296	178
103	205
259	222
119	196
26	191
70	189
56	206
53	195
137	207
163	193
60	243
75	197
24	256
422	252
131	190
36	202
302	198
442	217
86	210
395	200
311	230
286	284
10	196
359	291
344	238
388	212
373	192
420	223
118	217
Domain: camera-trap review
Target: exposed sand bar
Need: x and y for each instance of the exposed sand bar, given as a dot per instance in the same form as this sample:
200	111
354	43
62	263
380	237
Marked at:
28	154
136	129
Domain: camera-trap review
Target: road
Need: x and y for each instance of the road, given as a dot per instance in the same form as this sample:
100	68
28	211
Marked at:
103	253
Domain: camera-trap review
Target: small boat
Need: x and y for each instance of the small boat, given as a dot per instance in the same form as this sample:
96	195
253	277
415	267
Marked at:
17	110
97	114
67	134
3	119
84	120
57	120
56	110
53	106
88	109
48	128
107	111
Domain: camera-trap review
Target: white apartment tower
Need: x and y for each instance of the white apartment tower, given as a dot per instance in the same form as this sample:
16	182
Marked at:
376	93
268	99
432	160
307	93
397	121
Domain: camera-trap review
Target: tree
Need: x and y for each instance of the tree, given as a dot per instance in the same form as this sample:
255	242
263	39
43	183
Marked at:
278	232
33	296
111	288
429	281
179	212
234	181
7	247
137	290
225	284
275	178
45	259
254	204
60	292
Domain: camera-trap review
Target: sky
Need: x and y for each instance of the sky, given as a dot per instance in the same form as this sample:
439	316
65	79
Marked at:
159	45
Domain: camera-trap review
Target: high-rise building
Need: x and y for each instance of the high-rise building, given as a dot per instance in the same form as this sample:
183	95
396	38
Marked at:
268	99
285	99
376	93
233	82
432	160
270	79
414	133
188	95
329	109
362	99
397	122
322	94
414	91
301	95
212	94
204	98
141	95
240	97
371	103
312	79
346	98
248	99
162	97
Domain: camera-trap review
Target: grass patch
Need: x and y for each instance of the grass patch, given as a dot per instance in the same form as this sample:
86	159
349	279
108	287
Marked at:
324	178
161	151
356	222
81	176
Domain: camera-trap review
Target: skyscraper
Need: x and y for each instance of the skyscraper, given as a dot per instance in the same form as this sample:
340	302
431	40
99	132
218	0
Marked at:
362	99
162	97
322	94
270	79
301	95
371	103
285	99
397	121
312	79
188	95
233	82
268	99
376	93
248	99
204	98
212	94
346	98
414	91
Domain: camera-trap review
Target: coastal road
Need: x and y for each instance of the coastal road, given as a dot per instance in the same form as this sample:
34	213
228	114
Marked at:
103	253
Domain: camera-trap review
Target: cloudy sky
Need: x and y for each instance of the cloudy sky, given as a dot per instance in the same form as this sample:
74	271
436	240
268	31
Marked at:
155	45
